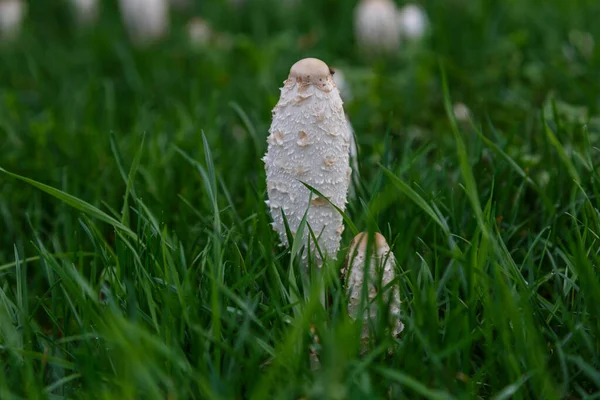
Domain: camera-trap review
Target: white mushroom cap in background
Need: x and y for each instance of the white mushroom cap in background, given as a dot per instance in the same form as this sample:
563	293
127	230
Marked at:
201	35
381	265
12	14
413	22
376	26
145	20
85	11
461	112
309	142
199	32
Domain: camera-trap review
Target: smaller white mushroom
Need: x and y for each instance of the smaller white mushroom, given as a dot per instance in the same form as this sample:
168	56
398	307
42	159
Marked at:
461	112
380	265
12	13
146	20
376	26
413	22
201	35
199	31
85	11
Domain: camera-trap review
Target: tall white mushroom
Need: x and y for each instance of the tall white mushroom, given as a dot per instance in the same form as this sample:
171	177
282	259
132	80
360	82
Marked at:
413	22
145	20
309	142
380	265
376	26
85	11
12	13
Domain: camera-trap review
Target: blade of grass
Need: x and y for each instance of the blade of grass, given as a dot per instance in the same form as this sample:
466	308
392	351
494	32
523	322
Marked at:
74	202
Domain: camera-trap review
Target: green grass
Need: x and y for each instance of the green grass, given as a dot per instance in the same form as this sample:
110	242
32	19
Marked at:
144	165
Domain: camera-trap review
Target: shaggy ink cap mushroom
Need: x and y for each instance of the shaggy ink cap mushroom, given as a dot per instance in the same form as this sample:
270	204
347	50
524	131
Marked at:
308	143
378	270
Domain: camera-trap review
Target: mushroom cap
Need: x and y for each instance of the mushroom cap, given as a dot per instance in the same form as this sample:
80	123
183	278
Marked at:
413	21
310	71
362	239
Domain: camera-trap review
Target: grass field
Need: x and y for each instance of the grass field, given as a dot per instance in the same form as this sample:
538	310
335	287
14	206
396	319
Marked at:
145	165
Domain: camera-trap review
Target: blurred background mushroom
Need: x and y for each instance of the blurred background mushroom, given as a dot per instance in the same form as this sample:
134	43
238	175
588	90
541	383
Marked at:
145	20
413	22
12	14
376	27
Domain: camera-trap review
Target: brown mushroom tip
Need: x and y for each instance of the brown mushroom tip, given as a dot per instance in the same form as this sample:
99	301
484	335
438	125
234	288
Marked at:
310	70
362	240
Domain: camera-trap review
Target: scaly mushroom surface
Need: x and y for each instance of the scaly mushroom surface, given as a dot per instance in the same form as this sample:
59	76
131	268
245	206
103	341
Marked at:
309	142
